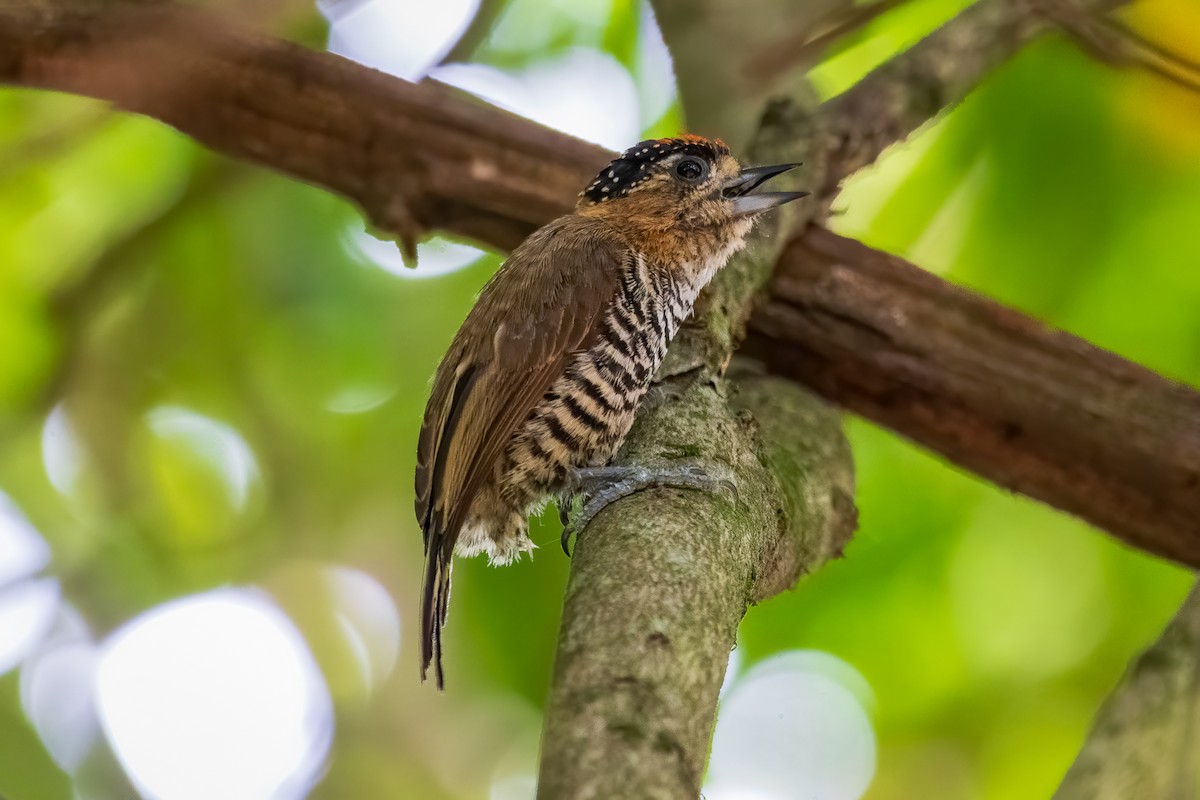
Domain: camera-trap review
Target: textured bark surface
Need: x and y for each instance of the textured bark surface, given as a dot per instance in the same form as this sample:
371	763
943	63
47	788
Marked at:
660	580
1035	410
1145	742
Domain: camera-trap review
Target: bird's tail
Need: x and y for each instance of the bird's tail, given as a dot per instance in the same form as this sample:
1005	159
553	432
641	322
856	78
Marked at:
435	595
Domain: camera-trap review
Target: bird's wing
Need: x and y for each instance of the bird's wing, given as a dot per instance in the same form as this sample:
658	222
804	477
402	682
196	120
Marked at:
546	301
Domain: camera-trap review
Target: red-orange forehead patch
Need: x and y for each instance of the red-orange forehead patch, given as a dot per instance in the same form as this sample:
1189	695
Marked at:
692	138
697	139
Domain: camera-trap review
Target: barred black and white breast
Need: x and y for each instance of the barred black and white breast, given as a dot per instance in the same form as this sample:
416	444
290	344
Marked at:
584	417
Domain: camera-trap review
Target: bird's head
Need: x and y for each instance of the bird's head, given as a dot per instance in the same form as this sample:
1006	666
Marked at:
687	185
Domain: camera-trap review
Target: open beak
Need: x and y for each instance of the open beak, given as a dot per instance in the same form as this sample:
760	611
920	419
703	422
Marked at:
739	190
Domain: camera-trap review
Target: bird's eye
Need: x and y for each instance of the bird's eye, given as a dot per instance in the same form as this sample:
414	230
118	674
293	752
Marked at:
691	169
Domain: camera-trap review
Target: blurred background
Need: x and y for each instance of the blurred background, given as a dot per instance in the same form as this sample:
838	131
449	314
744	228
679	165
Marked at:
211	380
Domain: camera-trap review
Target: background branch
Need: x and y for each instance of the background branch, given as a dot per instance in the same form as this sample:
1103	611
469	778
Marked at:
478	30
853	129
718	94
1112	41
1146	737
805	47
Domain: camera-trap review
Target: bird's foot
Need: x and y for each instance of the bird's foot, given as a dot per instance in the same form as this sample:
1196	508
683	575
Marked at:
593	488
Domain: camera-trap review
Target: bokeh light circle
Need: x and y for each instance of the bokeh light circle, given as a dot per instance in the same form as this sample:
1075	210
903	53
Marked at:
27	603
57	689
212	696
791	728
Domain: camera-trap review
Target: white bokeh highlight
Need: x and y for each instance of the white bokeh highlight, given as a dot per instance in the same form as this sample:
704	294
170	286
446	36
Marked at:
62	456
401	37
515	773
215	695
27	604
514	787
57	690
732	670
26	612
655	69
583	92
793	728
359	399
216	444
23	551
369	621
435	257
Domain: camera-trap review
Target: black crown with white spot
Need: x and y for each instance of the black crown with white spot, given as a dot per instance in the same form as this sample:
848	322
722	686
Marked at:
633	168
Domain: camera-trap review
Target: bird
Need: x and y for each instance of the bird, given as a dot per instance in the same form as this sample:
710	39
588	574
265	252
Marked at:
540	385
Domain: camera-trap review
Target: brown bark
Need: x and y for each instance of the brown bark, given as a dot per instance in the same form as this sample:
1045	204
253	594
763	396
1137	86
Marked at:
1035	410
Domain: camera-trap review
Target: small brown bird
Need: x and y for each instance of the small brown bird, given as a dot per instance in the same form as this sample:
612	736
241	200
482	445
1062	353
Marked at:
541	384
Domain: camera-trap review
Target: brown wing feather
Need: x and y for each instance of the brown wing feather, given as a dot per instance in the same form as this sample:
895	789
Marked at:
542	307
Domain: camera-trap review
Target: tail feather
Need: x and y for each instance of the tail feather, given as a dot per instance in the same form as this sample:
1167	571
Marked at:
435	595
443	602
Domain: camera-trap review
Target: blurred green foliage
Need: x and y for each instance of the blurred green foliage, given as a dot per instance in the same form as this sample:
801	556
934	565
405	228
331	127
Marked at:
138	272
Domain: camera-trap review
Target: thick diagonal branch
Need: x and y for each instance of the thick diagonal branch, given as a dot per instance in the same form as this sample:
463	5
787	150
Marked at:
1035	410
